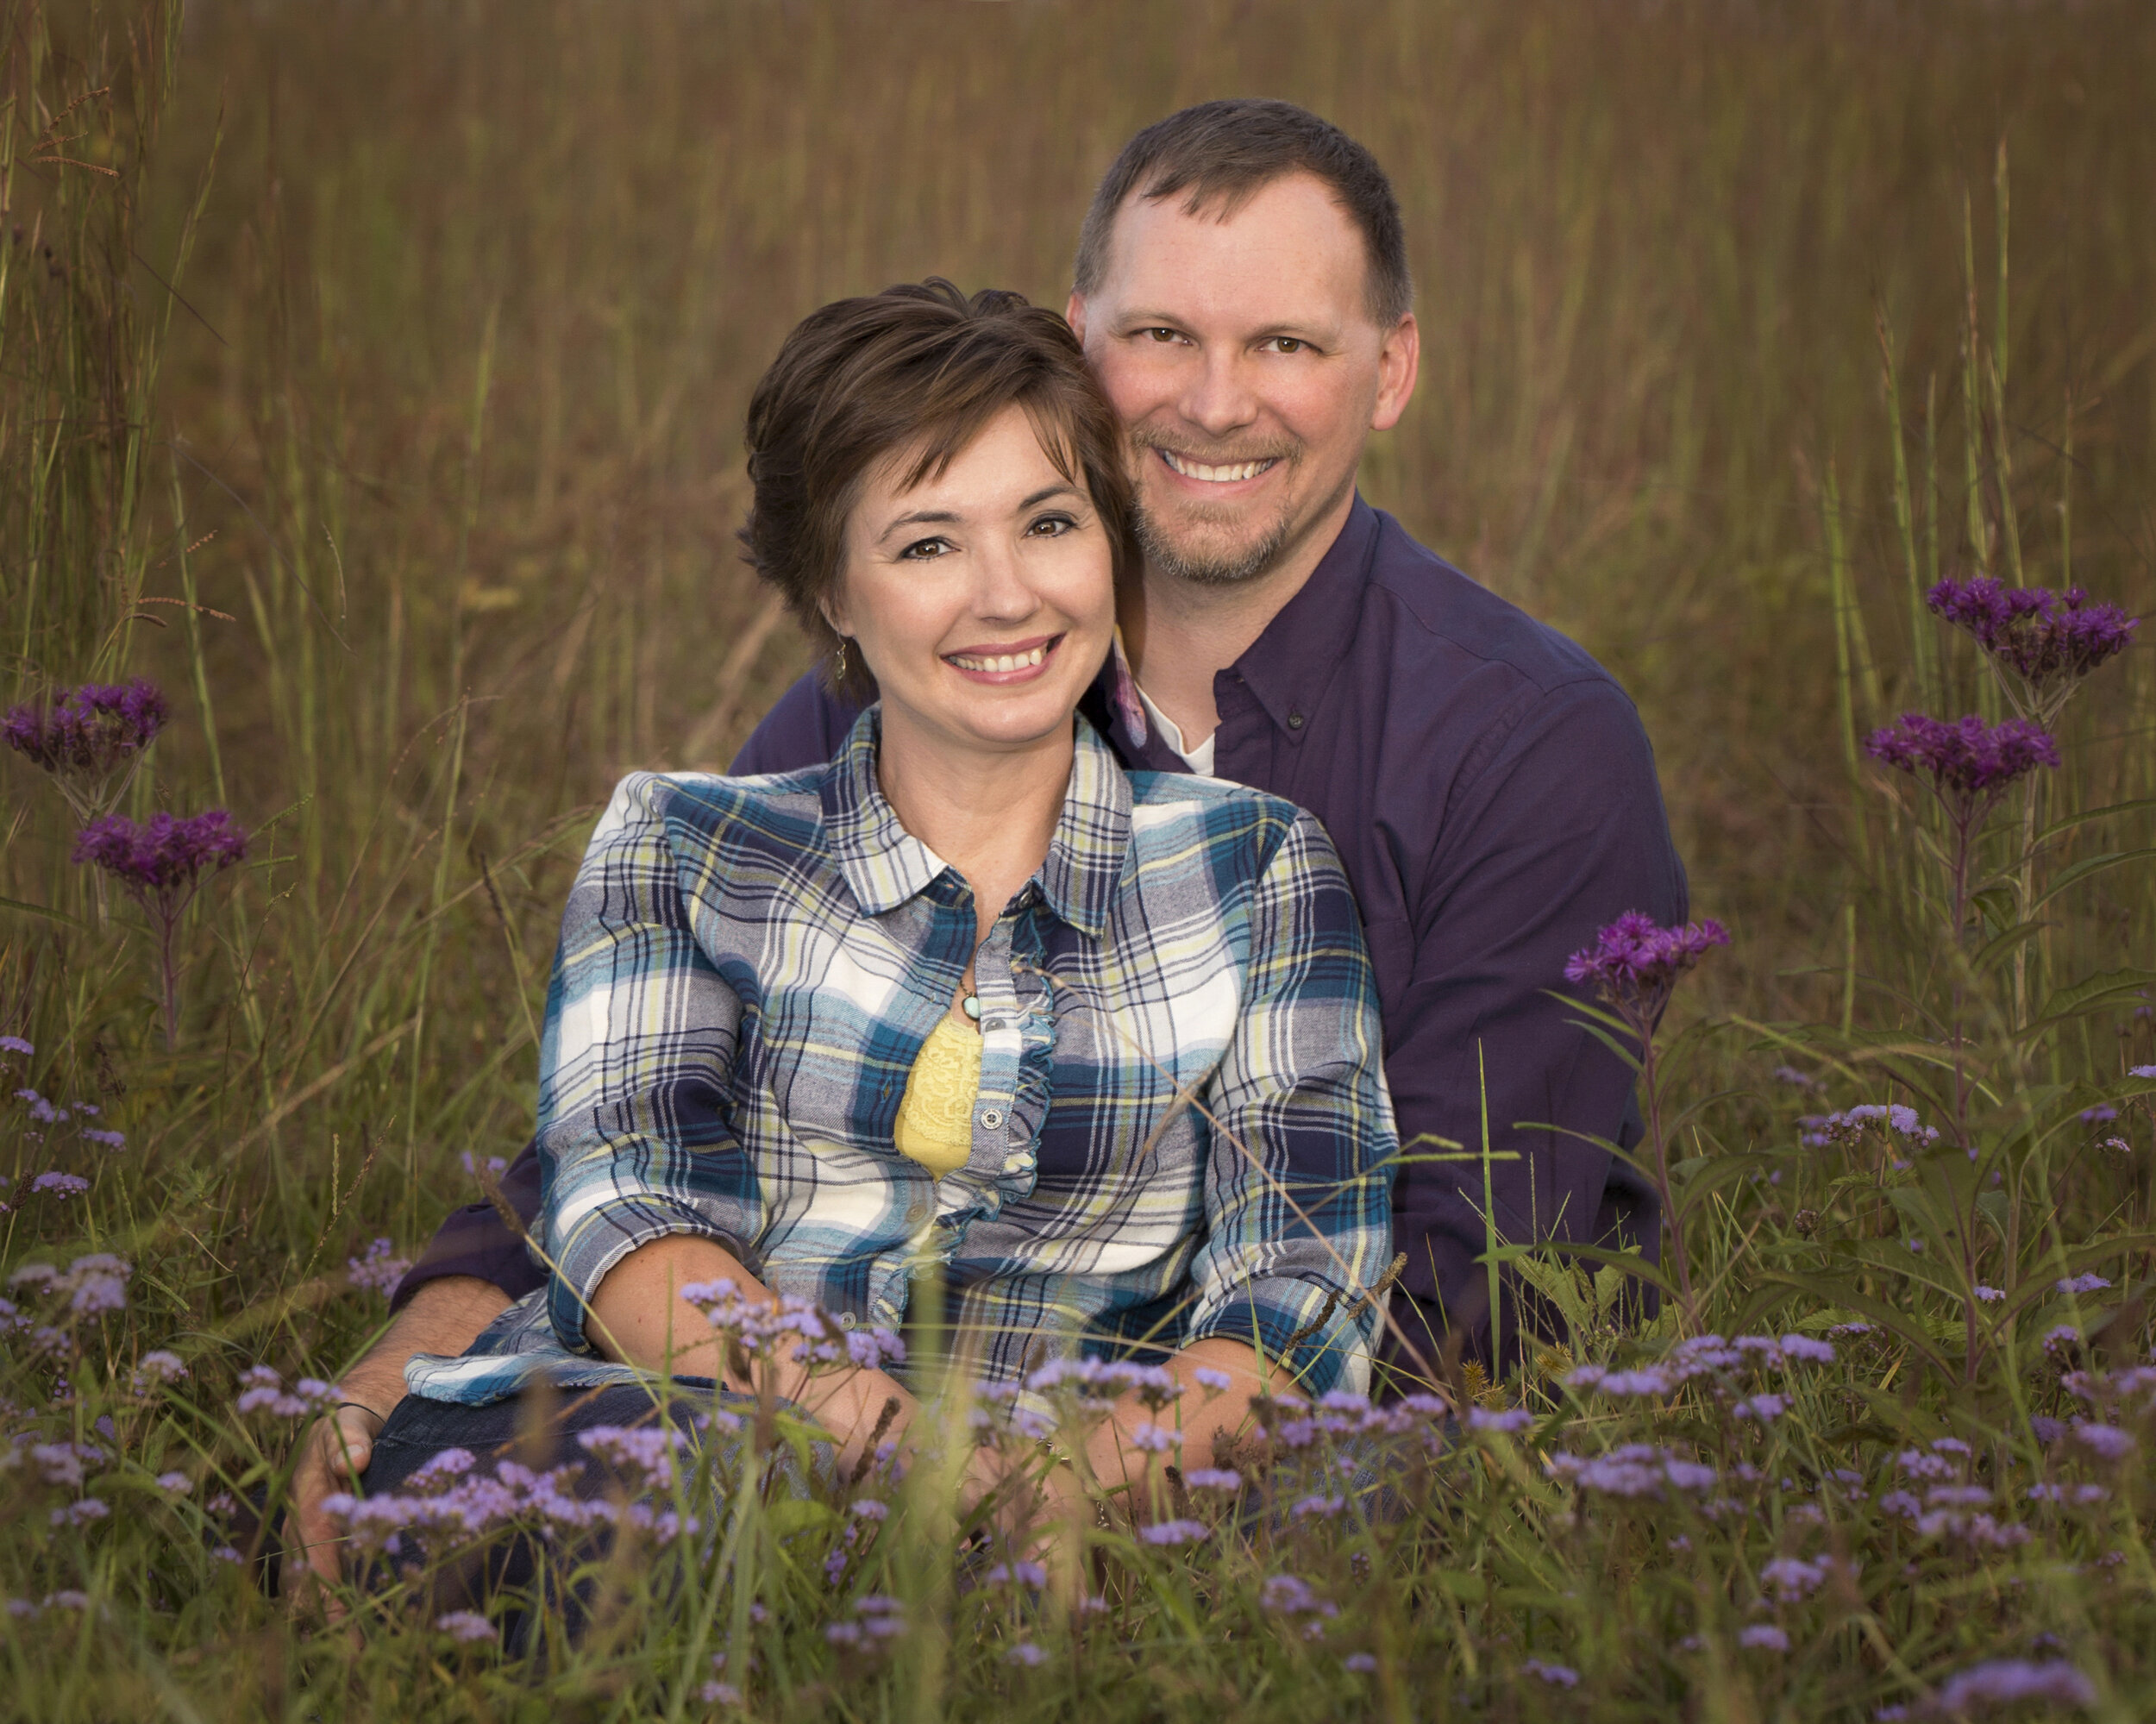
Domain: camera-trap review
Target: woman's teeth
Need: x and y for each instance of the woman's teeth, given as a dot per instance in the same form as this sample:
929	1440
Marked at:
1001	661
1215	475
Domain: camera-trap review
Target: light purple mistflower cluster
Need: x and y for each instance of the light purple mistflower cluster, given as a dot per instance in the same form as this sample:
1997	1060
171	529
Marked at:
2083	1283
876	1618
467	1627
1703	1356
1763	1637
263	1391
90	1286
1171	1533
1509	1421
1635	961
1557	1676
1888	1119
2043	637
1213	1478
793	1330
379	1270
2009	1682
1025	1654
1634	1470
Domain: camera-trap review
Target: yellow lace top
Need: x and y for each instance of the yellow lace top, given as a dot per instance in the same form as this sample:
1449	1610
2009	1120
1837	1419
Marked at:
936	1114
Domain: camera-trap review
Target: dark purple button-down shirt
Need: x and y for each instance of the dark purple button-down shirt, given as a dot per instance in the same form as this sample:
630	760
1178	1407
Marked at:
1493	795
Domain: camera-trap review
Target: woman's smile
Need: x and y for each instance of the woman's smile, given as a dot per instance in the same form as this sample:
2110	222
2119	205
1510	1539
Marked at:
1003	665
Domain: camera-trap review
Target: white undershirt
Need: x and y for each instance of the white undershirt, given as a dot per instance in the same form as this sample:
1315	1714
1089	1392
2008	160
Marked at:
1200	759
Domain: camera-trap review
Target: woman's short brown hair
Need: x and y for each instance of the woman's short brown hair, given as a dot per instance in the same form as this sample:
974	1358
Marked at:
917	368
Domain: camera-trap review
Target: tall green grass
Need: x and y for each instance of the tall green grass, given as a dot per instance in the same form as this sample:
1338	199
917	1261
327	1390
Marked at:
373	378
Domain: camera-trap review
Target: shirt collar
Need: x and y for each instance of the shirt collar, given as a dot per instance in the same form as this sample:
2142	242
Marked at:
1287	667
884	865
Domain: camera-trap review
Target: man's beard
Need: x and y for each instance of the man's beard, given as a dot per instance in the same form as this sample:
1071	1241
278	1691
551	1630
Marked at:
1227	567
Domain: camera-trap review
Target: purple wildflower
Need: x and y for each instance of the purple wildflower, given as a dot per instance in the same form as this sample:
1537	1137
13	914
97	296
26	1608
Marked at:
379	1270
1288	1594
91	741
1165	1533
1022	1573
16	1044
1763	1637
1804	1347
1025	1653
82	1514
156	1369
466	1626
61	1185
2131	1071
175	1484
1763	1407
2105	1442
160	864
1362	1664
1990	1295
1557	1676
1793	1580
2010	1680
2046	638
1219	1381
1157	1439
1213	1478
1635	961
1970	765
2083	1283
719	1694
1511	1421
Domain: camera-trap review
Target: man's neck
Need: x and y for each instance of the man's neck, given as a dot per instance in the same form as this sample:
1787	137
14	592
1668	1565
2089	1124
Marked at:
1178	635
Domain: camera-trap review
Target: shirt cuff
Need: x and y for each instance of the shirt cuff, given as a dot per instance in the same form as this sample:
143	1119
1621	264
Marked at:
1287	1318
603	1236
473	1241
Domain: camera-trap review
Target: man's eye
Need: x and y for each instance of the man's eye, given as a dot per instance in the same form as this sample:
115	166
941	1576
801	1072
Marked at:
1164	334
922	550
1286	344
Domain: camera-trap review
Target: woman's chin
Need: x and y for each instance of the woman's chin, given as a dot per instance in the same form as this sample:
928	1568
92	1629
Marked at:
1001	720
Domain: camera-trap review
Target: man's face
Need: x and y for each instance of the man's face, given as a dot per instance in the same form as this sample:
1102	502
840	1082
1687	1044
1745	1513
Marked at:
1248	370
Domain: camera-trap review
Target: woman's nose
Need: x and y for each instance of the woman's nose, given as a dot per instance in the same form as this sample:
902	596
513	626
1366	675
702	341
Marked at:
1000	588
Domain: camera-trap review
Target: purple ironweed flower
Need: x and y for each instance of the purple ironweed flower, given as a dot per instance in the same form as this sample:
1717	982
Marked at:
1634	962
2044	637
91	741
159	861
1166	1533
2083	1283
379	1270
1213	1478
1557	1676
1970	764
466	1626
1763	1637
2009	1680
1026	1654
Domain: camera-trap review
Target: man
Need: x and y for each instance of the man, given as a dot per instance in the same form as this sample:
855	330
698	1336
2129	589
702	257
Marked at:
1242	292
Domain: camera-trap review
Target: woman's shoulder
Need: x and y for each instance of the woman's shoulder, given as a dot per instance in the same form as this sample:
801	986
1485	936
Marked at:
782	810
1171	812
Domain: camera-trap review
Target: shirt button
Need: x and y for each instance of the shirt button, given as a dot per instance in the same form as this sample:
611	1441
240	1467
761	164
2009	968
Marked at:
992	1023
1294	721
991	1118
846	1320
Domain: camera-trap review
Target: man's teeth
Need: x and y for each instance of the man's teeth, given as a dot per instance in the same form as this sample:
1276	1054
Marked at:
1001	661
1215	475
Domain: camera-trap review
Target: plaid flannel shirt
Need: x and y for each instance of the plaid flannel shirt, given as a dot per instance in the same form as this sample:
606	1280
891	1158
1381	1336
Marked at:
748	967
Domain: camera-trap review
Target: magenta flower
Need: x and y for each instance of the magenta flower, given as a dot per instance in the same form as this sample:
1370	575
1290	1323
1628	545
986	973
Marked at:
161	864
1633	959
1970	764
91	741
2046	638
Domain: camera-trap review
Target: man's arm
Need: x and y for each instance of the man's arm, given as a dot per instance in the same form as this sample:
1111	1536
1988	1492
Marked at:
444	1316
1563	832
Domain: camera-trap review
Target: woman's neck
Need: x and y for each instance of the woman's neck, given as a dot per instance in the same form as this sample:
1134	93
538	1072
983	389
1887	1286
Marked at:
989	813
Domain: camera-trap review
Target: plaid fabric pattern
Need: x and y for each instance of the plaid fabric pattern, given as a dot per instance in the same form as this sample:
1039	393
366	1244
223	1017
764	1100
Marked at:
748	967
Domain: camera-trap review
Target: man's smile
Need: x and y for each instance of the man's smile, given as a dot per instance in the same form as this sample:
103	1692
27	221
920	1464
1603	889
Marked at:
1228	474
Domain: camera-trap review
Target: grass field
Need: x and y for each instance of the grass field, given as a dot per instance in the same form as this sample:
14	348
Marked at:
371	378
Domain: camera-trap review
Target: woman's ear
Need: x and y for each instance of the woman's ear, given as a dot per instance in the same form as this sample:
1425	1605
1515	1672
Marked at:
832	609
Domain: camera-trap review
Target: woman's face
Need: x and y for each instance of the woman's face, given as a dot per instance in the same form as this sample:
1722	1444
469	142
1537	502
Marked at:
983	599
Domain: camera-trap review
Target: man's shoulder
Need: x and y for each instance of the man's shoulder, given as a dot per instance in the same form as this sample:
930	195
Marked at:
1438	621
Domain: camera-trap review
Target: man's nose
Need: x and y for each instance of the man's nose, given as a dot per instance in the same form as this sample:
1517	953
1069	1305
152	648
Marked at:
1219	399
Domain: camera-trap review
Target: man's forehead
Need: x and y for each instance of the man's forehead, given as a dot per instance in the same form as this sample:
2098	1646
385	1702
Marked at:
1287	250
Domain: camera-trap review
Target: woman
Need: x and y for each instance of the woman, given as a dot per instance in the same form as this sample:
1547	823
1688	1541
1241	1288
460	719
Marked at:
1101	1048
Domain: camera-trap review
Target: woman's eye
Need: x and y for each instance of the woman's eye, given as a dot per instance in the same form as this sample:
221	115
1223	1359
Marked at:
1051	526
922	550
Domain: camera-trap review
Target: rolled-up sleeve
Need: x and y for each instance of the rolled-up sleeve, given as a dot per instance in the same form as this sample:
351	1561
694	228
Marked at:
1298	1210
635	1067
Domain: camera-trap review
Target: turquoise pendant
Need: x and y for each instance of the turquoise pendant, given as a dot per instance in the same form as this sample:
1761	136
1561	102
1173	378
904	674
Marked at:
971	1006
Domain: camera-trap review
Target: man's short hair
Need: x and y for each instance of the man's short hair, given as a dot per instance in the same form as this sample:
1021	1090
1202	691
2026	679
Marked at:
1226	153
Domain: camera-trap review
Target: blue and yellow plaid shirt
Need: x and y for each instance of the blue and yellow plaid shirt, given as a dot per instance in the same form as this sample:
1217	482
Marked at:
749	966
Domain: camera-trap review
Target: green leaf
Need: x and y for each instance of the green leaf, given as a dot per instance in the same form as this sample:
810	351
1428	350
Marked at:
2087	996
41	910
2087	866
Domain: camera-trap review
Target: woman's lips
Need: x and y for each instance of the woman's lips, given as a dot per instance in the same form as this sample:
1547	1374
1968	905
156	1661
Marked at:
1001	666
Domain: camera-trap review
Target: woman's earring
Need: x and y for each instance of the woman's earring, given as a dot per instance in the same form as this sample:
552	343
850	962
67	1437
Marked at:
838	665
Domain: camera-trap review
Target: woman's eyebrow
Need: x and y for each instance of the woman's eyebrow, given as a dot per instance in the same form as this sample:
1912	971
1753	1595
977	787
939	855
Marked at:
917	517
1066	489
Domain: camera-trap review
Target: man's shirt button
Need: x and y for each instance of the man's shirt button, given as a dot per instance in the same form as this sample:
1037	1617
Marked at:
1294	721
